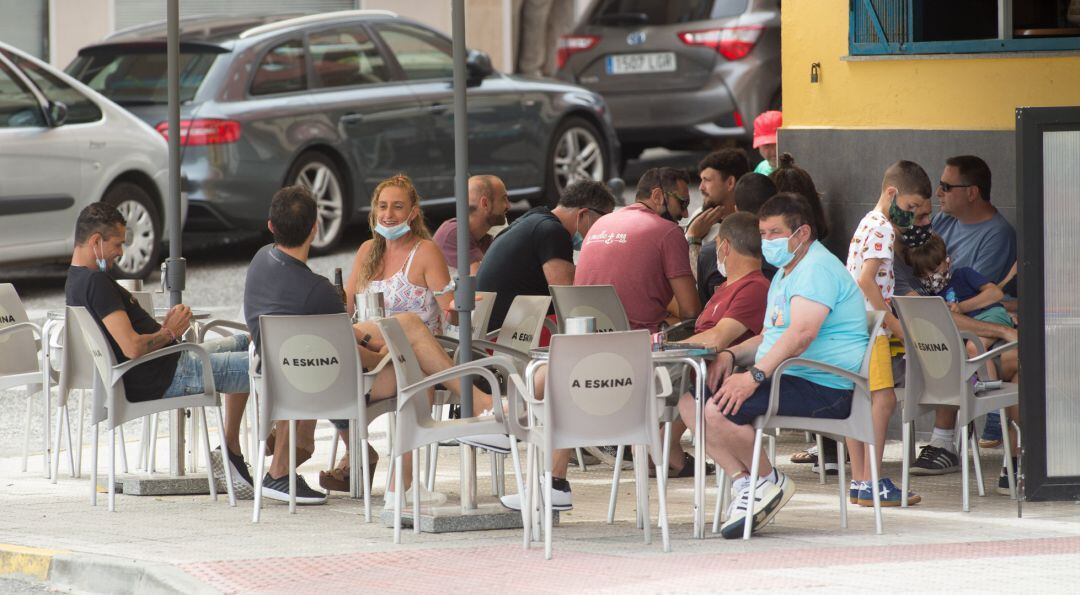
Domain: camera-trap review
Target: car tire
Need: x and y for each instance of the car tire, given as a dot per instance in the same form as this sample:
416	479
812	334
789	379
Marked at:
570	159
319	174
142	247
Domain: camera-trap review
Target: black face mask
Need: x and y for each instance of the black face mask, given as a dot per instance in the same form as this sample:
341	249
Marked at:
916	235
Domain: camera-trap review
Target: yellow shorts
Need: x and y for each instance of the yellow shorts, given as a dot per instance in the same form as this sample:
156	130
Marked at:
881	374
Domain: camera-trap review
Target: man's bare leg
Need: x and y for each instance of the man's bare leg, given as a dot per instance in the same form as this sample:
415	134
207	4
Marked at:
234	415
305	446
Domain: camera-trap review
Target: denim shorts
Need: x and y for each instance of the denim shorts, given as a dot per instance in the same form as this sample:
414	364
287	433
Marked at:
798	397
228	362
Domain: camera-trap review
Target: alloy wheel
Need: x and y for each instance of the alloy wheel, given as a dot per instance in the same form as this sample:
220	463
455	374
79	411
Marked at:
323	184
578	156
140	241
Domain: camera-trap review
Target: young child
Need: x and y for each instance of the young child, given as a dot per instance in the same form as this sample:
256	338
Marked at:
904	189
765	127
964	289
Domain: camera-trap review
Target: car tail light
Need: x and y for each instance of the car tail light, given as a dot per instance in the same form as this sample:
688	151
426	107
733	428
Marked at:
738	119
572	44
732	43
204	131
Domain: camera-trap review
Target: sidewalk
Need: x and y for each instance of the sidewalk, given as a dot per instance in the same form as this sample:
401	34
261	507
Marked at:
194	545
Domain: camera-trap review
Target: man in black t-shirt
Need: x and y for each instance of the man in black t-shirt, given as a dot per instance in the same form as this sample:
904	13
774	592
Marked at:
537	250
133	332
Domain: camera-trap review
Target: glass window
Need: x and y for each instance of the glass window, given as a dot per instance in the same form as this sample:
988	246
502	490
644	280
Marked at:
662	12
134	78
79	107
422	54
18	106
345	57
881	27
281	70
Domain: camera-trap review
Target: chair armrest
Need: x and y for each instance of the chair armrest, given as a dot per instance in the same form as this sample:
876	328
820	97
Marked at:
774	392
661	373
198	350
993	353
551	326
478	368
501	350
219	323
21	326
379	366
491	336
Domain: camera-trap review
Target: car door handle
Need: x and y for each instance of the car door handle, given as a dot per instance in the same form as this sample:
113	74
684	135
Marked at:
438	109
352	118
97	145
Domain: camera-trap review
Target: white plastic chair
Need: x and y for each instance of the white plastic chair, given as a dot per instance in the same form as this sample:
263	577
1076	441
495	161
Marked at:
288	388
574	413
111	406
939	373
859	424
23	363
415	426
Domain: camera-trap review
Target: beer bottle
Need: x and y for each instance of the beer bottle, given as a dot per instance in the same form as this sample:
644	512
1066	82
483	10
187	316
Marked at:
339	286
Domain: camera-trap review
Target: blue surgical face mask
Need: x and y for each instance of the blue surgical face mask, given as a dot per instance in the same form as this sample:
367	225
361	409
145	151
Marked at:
776	252
102	264
392	233
578	240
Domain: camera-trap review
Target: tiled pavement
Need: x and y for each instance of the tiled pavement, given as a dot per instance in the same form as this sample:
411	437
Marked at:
932	547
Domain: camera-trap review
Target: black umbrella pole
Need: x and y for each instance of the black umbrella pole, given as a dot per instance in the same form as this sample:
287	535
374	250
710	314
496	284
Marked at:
174	266
465	294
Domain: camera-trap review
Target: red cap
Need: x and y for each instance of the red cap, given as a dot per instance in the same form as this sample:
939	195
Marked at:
765	127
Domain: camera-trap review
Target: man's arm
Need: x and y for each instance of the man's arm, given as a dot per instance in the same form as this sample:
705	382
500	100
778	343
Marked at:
686	296
984	329
988	294
135	345
559	272
872	292
720	336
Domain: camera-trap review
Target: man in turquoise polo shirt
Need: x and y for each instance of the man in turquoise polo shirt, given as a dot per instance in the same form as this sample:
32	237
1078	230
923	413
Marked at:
814	311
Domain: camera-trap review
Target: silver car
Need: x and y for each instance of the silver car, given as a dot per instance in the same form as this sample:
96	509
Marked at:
62	147
338	102
678	73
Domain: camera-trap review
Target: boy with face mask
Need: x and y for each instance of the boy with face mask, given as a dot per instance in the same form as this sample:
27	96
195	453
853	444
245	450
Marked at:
904	189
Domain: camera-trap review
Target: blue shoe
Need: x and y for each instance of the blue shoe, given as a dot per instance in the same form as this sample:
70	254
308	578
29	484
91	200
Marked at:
888	493
991	434
856	488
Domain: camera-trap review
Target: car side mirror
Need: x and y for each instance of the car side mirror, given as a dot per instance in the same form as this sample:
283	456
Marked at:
478	65
58	113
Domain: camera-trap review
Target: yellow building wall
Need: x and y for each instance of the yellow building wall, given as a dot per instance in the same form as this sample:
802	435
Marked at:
910	93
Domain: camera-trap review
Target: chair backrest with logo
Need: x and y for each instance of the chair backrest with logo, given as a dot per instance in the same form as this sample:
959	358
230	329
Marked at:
406	366
88	355
310	369
935	352
598	301
18	349
600	390
524	319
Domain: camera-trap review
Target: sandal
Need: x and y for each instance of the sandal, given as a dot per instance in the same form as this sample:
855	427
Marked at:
338	479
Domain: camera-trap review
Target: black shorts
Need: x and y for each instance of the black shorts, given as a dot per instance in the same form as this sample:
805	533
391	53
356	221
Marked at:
798	397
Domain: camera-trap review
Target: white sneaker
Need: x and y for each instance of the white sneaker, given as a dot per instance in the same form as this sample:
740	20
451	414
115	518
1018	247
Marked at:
499	443
427	498
767	496
560	500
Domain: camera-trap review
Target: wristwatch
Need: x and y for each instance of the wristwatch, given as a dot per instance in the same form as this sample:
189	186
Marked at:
756	374
364	340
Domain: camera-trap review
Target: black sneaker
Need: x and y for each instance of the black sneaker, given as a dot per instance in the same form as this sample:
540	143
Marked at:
934	460
243	485
278	489
1003	481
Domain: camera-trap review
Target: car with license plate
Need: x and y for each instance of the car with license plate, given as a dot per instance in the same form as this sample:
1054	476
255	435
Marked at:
64	146
337	102
678	73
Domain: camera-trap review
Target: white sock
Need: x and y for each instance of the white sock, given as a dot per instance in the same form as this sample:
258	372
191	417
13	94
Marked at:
773	477
739	484
944	439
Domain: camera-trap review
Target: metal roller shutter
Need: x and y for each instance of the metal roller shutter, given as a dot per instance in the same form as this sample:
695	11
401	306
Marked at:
137	12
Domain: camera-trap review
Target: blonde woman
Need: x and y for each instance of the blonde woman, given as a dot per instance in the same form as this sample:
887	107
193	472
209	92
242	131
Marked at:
400	260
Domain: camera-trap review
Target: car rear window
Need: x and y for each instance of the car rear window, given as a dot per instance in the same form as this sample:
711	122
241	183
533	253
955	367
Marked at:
139	78
662	12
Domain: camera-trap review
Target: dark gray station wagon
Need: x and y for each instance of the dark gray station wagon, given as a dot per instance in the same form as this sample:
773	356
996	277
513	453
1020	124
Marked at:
338	102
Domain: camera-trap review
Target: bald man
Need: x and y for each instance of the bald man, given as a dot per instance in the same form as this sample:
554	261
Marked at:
488	204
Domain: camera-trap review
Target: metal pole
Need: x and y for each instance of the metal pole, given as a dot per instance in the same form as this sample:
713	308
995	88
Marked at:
465	295
174	265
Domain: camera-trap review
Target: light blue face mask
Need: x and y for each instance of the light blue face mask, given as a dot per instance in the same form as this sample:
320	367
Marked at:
102	264
776	253
392	233
578	241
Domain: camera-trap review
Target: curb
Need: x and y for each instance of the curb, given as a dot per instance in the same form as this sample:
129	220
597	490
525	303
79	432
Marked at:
88	573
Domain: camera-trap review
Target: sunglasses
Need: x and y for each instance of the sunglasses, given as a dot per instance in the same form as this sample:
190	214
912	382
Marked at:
685	202
947	187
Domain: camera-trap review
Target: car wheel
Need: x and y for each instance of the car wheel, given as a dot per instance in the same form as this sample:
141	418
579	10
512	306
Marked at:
317	173
577	152
142	246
